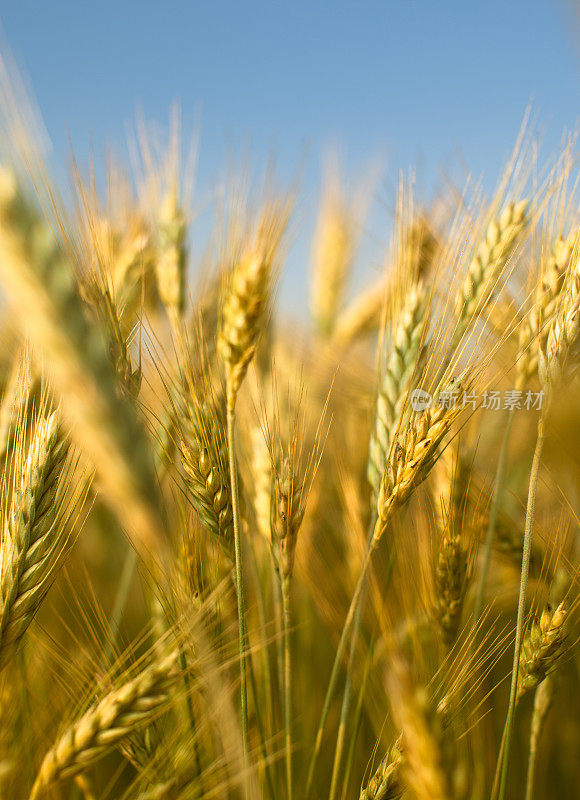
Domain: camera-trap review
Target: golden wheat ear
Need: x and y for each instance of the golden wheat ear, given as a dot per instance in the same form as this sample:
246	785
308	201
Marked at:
36	533
39	279
490	258
115	717
401	365
247	297
385	783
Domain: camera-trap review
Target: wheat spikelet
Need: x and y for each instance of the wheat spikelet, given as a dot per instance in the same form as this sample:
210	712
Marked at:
17	390
247	299
558	356
116	716
333	253
205	461
535	328
451	578
40	283
385	783
362	316
124	257
541	648
289	512
450	482
110	317
262	481
402	361
415	452
34	536
492	254
171	261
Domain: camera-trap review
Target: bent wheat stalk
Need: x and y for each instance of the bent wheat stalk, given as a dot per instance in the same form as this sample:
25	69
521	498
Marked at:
245	304
410	461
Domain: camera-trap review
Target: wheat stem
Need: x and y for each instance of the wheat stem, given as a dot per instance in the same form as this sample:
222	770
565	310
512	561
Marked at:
358	715
527	548
230	420
346	700
493	512
287	683
354	603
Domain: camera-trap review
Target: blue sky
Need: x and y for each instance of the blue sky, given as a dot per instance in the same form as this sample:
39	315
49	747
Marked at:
430	83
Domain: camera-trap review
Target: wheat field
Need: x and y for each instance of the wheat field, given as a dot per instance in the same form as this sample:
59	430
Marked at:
242	557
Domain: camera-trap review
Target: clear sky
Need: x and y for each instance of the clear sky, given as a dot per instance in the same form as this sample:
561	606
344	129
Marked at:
410	83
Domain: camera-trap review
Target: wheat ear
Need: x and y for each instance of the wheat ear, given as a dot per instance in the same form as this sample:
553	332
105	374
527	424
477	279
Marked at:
400	368
558	358
491	256
205	461
244	307
541	648
385	783
34	536
535	328
426	767
117	715
451	579
39	280
414	453
408	465
263	478
333	253
171	260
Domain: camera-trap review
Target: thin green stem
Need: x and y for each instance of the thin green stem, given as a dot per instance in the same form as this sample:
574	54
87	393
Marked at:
125	581
267	677
527	548
260	725
346	700
354	603
356	724
230	419
287	683
493	513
